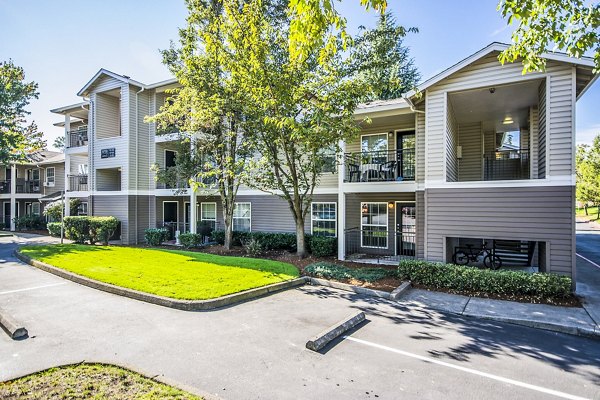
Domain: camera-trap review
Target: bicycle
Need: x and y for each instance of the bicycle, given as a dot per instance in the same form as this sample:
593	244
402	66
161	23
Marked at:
490	260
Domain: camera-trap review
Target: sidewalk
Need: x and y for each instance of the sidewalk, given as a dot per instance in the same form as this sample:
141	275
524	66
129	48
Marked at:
571	320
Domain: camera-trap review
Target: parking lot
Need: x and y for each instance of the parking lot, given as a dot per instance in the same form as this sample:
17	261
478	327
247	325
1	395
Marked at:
256	349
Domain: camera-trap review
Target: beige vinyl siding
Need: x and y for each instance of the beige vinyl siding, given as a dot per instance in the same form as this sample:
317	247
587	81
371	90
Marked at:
109	180
533	141
328	180
105	83
115	206
420	211
533	213
435	132
140	149
402	122
470	138
451	143
59	178
108	124
542	132
420	146
560	144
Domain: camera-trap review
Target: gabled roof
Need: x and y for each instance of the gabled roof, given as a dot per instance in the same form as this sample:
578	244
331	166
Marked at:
105	72
44	157
70	107
493	47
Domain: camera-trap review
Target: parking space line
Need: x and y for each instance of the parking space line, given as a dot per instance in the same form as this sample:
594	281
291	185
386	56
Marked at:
468	370
33	288
588	260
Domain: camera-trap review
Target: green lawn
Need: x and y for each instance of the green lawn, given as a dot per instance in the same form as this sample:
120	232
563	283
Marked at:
170	273
592	213
90	381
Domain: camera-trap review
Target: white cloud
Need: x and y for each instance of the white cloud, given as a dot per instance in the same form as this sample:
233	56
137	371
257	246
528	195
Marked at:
499	30
587	134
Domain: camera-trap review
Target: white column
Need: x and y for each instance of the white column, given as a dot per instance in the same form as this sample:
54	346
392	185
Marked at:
341	206
67	129
13	193
193	197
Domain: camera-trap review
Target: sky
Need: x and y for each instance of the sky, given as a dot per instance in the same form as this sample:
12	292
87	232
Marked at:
61	44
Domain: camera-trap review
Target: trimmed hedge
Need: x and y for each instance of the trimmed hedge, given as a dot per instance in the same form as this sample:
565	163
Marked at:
93	229
29	222
319	246
155	236
339	272
53	228
189	240
467	279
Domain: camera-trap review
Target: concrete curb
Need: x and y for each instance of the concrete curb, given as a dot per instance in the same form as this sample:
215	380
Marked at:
400	290
350	288
184	305
325	337
14	329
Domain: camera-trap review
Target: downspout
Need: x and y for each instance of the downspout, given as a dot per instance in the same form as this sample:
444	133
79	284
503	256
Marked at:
90	164
137	134
412	106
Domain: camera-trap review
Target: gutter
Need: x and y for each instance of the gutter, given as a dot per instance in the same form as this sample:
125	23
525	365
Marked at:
412	106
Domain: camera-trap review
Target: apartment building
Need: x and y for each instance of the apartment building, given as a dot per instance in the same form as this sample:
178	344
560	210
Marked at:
25	187
479	153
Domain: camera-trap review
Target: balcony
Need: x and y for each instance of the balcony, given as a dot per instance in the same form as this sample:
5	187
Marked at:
4	187
380	166
78	183
506	165
28	186
175	183
78	137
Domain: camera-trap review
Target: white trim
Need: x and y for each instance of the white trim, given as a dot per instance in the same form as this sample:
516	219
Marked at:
387	141
163	211
414	204
313	220
378	187
216	213
549	181
250	217
111	74
53	176
387	226
548	133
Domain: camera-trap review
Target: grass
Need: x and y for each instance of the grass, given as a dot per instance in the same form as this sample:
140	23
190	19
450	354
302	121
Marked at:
169	273
592	213
87	381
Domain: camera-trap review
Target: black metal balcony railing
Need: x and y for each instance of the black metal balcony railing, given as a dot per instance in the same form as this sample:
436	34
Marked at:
4	187
378	243
78	183
380	166
27	186
506	165
78	137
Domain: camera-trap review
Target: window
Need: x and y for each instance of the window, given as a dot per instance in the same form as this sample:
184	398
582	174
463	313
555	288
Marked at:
82	209
374	148
33	174
374	225
329	160
32	208
50	176
208	212
324	221
242	217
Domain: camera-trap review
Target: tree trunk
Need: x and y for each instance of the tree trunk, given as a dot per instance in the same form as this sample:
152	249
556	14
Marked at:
585	207
300	240
228	233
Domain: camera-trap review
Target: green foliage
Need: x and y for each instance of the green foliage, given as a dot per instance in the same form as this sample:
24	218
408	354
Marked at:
379	58
323	246
189	240
54	228
102	229
155	236
54	209
29	222
59	143
77	228
253	247
341	273
467	279
545	25
588	173
16	139
279	241
276	240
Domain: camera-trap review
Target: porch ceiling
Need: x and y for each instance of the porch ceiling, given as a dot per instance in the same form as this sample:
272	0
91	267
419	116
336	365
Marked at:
492	105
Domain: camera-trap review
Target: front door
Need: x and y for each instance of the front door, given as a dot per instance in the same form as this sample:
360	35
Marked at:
6	215
405	145
406	229
170	209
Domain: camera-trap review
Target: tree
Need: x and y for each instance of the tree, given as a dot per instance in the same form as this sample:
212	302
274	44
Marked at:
54	210
588	174
208	108
379	58
17	139
300	110
569	26
59	143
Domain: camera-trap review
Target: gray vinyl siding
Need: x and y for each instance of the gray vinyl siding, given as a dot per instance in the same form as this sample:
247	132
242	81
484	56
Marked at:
420	143
535	213
533	140
115	206
541	164
561	138
139	206
75	162
470	138
105	83
451	142
140	149
420	211
435	132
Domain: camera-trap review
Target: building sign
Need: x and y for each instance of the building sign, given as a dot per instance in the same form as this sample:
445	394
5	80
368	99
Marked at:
107	153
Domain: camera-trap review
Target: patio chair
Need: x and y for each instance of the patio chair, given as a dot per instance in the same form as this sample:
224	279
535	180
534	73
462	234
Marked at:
388	170
353	170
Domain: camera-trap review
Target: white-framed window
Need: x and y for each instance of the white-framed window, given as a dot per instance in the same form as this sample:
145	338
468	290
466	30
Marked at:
374	225
83	208
242	217
32	208
323	219
208	212
374	148
50	176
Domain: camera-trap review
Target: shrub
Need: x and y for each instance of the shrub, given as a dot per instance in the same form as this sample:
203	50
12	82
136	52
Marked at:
54	228
467	279
155	236
189	240
205	228
28	222
77	228
54	210
253	247
102	229
238	237
2	225
323	246
339	272
267	240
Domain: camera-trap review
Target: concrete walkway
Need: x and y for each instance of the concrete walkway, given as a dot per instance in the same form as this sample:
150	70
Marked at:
588	272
